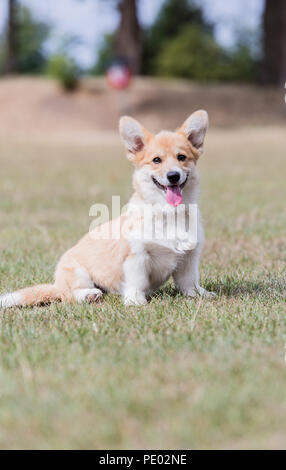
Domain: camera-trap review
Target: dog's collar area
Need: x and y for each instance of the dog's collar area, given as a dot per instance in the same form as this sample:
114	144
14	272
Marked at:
164	188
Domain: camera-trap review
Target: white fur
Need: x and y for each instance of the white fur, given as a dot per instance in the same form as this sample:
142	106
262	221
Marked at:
136	275
10	300
87	295
84	279
154	261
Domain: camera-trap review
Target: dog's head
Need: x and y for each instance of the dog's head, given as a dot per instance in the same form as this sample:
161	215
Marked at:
164	163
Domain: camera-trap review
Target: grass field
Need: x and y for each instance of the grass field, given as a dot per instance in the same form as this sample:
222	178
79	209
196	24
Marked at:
173	374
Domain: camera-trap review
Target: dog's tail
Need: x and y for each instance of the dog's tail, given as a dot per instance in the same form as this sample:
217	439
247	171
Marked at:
36	295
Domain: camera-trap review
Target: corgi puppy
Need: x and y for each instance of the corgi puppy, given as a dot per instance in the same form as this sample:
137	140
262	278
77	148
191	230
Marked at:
165	177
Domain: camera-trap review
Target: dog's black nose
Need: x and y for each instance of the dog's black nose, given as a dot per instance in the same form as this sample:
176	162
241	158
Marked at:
173	176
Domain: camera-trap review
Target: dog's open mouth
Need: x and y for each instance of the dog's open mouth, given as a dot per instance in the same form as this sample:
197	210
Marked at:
173	192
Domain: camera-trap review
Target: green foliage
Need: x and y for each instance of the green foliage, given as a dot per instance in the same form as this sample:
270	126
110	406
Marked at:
32	34
194	54
181	43
242	65
64	69
173	16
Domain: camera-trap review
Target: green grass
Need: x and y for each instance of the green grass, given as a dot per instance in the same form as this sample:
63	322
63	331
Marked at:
173	374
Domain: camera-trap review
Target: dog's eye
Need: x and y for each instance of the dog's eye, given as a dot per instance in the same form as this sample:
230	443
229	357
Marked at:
181	158
157	160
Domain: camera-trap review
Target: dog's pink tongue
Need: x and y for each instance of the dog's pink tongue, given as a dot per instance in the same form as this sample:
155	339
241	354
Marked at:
174	195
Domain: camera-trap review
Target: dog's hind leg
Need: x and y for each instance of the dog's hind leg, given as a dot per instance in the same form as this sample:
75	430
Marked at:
75	283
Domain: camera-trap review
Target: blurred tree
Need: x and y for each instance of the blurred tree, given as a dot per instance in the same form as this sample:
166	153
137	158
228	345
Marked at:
128	35
126	42
32	35
241	65
10	65
172	18
192	54
181	43
25	41
274	22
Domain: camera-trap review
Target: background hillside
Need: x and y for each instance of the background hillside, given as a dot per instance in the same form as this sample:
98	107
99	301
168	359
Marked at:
36	106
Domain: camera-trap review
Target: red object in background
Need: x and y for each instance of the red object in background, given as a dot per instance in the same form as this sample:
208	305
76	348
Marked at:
118	75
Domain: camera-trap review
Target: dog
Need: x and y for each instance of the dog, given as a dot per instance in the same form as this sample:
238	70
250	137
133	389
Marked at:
165	175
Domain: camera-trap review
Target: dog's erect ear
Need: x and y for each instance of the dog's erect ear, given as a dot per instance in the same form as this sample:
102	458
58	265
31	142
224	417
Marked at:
195	128
133	134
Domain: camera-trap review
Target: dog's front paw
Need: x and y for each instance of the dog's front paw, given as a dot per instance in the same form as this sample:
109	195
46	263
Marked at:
200	291
134	298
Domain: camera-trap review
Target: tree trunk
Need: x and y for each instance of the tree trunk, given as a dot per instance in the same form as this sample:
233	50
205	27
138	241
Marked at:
128	36
274	21
11	53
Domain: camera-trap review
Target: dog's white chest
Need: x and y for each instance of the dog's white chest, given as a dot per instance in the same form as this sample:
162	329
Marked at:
162	263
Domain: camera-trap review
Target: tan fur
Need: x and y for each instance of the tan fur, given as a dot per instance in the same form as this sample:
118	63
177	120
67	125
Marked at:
40	294
165	145
102	259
